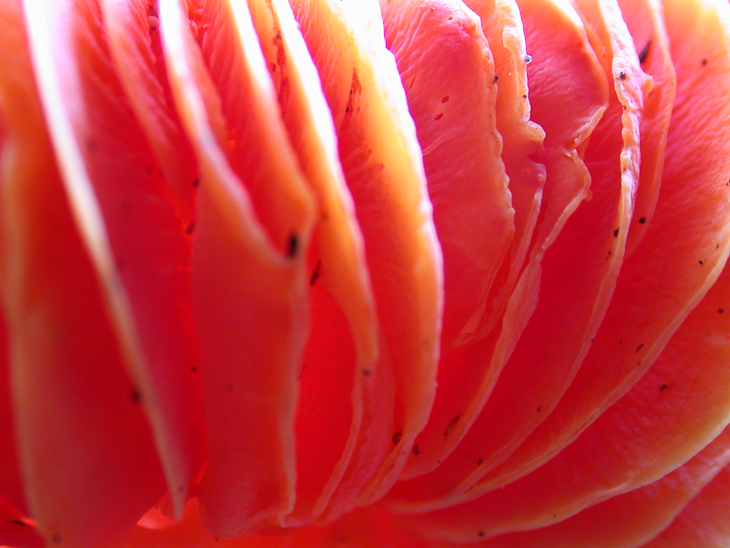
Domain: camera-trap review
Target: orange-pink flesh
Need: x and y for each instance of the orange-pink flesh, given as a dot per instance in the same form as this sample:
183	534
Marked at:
579	268
688	507
577	278
562	68
254	217
448	73
703	522
679	258
383	168
623	521
342	269
564	73
528	386
329	40
522	152
342	347
649	408
670	415
134	209
363	528
89	462
630	519
135	49
645	23
327	420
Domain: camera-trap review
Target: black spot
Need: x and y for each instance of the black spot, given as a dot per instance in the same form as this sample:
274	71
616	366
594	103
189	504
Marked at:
539	409
479	462
527	59
644	52
622	75
397	437
496	77
16	522
315	274
416	450
524	96
196	183
293	246
481	534
701	262
452	423
193	369
639	347
721	310
642	220
134	395
304	366
663	387
704	62
615	233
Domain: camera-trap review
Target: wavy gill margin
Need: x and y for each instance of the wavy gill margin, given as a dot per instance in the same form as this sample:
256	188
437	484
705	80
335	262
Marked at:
522	151
560	70
644	20
448	73
601	381
657	288
580	268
